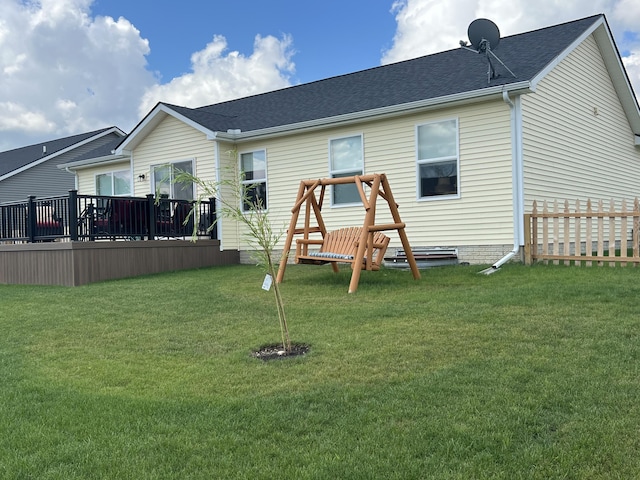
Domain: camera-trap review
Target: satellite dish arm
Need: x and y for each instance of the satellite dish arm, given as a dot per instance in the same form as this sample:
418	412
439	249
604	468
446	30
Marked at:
489	52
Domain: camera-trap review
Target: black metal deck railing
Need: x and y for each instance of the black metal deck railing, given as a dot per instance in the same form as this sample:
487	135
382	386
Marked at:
78	217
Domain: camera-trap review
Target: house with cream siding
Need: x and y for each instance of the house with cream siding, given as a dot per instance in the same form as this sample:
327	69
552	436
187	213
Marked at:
466	153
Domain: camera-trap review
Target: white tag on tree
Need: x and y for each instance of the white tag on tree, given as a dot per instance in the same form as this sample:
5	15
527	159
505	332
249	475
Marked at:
266	285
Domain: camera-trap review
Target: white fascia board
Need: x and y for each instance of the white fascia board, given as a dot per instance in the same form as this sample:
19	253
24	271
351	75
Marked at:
91	162
393	110
151	121
61	152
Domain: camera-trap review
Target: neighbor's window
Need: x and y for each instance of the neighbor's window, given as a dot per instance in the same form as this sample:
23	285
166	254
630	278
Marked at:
163	180
114	183
345	160
253	166
438	158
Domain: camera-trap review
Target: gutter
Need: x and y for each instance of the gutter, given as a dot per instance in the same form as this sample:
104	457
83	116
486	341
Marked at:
392	110
516	179
91	162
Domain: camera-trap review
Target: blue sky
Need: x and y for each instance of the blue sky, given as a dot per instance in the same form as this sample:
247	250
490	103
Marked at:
72	66
330	37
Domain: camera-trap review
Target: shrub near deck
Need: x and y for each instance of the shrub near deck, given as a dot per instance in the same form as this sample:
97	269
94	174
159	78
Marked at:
527	373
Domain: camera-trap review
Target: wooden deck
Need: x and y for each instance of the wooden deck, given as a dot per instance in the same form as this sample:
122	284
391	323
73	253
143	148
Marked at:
80	263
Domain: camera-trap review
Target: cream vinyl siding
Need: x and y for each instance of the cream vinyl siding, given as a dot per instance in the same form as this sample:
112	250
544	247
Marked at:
172	141
577	143
87	176
481	216
175	141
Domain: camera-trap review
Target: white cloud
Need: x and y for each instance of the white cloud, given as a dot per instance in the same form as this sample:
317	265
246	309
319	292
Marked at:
64	72
217	76
429	26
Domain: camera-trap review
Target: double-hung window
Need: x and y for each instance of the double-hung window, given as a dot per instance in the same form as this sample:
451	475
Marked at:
346	159
253	166
164	177
116	183
438	159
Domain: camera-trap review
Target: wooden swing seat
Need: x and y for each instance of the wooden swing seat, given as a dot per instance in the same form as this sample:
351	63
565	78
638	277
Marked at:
362	247
342	246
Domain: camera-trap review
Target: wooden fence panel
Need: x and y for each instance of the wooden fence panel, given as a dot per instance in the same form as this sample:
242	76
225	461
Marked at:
558	234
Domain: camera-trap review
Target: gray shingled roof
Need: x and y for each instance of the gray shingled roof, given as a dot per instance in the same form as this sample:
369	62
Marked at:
439	75
19	157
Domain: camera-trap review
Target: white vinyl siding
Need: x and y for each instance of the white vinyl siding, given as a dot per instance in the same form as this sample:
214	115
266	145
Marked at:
577	140
482	216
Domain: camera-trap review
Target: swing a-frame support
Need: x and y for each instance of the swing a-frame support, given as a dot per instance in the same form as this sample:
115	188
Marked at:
362	247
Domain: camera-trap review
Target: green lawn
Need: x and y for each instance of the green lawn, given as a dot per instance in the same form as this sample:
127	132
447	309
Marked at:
529	373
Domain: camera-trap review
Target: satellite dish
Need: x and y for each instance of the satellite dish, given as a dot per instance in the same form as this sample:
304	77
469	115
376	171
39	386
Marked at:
483	34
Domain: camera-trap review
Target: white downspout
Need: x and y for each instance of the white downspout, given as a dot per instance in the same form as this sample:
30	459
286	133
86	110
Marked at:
516	179
75	176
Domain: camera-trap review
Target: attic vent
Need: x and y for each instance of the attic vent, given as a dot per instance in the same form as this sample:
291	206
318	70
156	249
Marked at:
44	150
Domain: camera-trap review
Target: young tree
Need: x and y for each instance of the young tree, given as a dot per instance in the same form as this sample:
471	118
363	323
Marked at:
237	200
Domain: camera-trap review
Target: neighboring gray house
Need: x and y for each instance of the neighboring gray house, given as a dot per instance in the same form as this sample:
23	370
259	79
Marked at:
32	170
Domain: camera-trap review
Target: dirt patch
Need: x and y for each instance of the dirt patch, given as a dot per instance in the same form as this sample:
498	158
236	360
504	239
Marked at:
277	352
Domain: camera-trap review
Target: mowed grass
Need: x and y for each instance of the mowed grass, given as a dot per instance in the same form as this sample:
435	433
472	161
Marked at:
529	373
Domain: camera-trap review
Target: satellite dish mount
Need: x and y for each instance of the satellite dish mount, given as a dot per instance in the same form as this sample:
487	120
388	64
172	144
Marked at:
484	36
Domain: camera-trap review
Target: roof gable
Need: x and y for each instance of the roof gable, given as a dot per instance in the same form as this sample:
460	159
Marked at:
19	159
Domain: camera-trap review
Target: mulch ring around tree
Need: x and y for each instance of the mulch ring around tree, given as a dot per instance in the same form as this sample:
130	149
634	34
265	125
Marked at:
278	352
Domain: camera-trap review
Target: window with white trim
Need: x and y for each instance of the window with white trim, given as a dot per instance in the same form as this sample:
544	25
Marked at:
163	180
346	159
437	159
117	183
253	166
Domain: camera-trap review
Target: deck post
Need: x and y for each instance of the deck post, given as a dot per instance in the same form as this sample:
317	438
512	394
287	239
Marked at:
151	215
31	219
73	215
212	219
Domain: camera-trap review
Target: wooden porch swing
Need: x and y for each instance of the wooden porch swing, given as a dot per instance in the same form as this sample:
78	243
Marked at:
362	247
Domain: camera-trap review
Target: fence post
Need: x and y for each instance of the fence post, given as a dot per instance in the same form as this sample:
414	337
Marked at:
31	218
566	247
623	233
635	240
545	230
527	239
151	208
589	233
600	248
73	215
612	232
578	234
